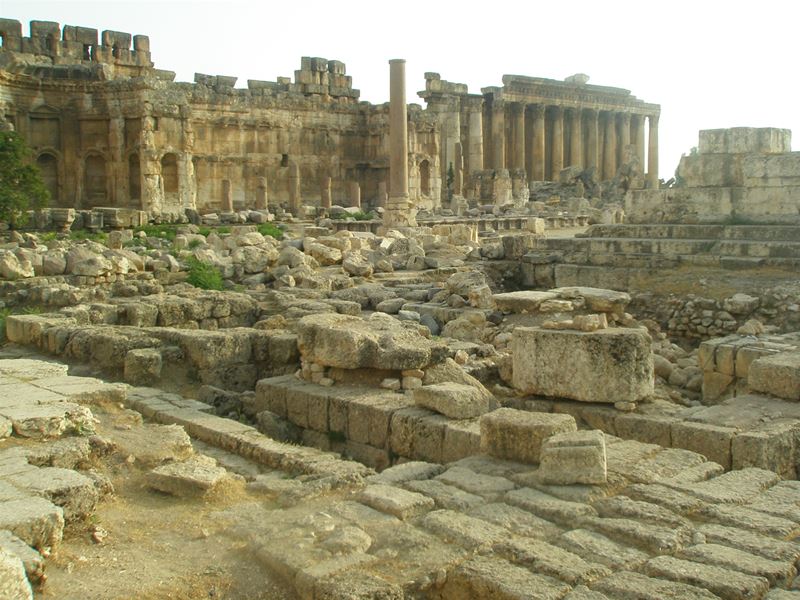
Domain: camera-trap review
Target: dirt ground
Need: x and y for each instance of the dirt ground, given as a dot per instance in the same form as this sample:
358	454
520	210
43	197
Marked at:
157	546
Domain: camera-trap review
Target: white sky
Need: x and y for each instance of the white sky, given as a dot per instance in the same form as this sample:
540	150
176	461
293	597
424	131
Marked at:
709	63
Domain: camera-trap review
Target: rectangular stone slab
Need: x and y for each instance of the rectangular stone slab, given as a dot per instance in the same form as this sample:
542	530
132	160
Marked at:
608	365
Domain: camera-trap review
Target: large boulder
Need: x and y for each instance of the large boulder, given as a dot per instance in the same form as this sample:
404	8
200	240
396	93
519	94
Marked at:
380	342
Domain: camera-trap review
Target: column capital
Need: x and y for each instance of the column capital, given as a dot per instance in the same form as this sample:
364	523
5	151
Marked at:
653	119
518	107
538	110
592	113
474	103
557	110
498	104
626	118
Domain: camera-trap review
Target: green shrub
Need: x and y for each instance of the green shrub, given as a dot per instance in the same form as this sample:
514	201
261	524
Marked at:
81	234
194	243
270	230
167	232
204	275
48	236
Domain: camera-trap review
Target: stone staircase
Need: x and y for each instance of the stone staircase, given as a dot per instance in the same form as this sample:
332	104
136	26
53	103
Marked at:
608	255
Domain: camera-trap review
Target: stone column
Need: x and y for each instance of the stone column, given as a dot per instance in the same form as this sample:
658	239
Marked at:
399	211
227	196
638	138
294	189
576	139
538	142
355	194
557	160
381	193
498	134
261	194
610	147
592	140
458	172
625	132
652	153
475	146
325	193
518	160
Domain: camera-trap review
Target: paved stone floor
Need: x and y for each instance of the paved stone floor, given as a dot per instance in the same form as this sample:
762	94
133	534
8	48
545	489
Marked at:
668	524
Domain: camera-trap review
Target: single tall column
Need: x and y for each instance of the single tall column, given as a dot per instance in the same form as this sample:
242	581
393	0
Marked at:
458	172
557	160
576	139
592	140
498	134
355	194
382	195
538	142
227	196
294	190
610	149
325	190
475	147
652	153
518	160
625	131
261	194
399	211
638	138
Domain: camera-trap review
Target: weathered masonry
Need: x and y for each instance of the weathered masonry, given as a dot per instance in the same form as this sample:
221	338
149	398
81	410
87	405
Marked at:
111	130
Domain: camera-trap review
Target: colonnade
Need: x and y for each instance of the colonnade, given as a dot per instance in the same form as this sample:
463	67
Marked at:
543	139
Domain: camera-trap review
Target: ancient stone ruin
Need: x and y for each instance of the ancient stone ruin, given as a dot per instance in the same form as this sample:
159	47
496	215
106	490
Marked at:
292	354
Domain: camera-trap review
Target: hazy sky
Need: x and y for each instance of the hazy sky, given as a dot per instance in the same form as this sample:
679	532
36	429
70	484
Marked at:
709	63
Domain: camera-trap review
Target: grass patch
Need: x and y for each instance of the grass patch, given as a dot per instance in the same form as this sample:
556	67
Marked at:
95	236
4	313
166	232
268	229
49	236
357	216
194	243
204	275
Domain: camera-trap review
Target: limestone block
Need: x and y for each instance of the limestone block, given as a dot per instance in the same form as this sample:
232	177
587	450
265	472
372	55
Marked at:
522	301
379	342
395	501
461	439
717	386
142	366
575	457
745	140
193	477
596	299
518	435
607	365
13	582
49	420
31	559
453	400
772	447
36	521
712	441
74	493
778	374
493	578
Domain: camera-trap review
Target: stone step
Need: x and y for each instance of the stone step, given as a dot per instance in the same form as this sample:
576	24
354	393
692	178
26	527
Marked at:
656	539
627	585
750	541
725	583
777	573
596	547
549	507
547	559
493	578
679	231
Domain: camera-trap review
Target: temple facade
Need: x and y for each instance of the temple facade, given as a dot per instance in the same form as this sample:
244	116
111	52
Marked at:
109	129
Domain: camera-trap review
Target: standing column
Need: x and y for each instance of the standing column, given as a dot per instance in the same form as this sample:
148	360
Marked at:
518	160
638	139
498	134
576	139
325	193
398	208
227	196
381	194
610	149
475	146
652	153
458	172
261	194
625	131
557	162
592	137
295	202
355	194
538	142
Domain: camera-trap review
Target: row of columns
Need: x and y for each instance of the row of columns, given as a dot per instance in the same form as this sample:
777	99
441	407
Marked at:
544	139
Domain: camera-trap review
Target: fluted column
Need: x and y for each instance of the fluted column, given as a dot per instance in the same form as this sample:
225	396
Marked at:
557	158
576	138
652	153
498	134
518	160
538	142
475	145
592	139
610	147
638	138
